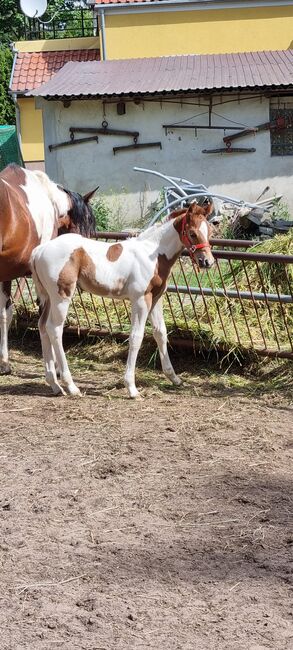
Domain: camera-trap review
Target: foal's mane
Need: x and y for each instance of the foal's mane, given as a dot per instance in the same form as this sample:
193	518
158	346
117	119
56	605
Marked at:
153	232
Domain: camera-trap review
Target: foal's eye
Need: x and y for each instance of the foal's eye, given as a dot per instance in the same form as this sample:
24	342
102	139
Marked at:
192	235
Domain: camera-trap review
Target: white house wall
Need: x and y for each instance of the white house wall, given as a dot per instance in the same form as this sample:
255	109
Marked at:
84	166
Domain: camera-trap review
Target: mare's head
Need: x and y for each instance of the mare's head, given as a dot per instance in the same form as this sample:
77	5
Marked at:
195	231
80	217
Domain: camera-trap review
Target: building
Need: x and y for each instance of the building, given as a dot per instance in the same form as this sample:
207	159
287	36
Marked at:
223	120
147	28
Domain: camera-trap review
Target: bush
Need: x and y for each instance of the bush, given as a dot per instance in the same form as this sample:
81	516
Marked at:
102	213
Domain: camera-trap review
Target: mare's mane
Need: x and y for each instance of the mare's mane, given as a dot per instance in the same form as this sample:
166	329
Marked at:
81	213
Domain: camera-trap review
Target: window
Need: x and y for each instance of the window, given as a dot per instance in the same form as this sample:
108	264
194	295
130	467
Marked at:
282	131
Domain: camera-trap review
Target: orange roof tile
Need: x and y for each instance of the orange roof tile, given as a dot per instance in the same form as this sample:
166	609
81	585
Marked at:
32	69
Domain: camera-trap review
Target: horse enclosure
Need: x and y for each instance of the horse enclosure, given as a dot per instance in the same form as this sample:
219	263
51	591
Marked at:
244	303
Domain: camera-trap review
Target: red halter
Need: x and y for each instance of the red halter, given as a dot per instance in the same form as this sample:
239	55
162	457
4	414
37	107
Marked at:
186	241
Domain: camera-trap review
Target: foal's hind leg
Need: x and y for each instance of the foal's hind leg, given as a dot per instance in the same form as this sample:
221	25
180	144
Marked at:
160	335
5	320
48	352
54	327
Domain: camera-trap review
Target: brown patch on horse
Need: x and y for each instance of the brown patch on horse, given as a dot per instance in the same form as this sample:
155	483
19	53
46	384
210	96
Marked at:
13	173
114	252
80	269
44	311
158	282
18	233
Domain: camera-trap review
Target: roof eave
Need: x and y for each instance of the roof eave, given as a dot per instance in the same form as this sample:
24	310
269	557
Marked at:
164	93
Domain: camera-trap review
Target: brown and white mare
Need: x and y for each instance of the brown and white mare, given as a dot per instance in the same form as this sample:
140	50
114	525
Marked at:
136	269
33	210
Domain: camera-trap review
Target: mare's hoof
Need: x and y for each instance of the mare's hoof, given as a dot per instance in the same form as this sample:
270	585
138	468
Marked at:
5	368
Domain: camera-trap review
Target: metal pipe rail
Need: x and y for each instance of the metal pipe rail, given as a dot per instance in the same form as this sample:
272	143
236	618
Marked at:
244	301
230	293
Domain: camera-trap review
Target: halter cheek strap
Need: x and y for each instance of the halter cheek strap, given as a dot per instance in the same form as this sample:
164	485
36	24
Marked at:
186	241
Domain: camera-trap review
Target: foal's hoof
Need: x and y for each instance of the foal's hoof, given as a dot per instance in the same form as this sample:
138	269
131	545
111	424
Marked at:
5	368
58	391
177	381
137	396
76	393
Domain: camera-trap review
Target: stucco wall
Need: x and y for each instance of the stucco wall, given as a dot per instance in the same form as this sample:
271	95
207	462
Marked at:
31	130
142	34
84	166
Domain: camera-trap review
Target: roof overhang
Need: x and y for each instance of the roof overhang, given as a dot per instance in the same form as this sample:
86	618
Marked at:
171	75
182	5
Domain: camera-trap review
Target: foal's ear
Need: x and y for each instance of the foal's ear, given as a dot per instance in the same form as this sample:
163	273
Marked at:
192	209
176	213
208	207
87	197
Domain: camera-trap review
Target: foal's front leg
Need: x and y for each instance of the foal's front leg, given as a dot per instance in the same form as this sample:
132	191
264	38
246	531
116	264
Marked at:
160	335
5	320
139	315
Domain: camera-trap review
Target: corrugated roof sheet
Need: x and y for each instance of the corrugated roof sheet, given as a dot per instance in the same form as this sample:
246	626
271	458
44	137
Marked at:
172	74
32	69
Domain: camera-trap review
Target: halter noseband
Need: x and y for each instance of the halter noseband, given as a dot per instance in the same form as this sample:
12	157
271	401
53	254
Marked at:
186	241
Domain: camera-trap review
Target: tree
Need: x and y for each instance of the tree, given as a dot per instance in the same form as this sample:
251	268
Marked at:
11	22
11	29
7	110
62	19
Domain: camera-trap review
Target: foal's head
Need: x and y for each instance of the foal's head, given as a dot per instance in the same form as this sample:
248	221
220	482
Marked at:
194	232
80	217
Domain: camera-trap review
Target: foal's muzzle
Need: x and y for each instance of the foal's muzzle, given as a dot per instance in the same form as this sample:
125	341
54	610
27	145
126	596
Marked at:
206	262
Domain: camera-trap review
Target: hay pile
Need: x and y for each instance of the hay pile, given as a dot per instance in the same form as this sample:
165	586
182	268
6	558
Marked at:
222	320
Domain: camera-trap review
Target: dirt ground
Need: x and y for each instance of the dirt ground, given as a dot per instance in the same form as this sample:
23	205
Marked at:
161	523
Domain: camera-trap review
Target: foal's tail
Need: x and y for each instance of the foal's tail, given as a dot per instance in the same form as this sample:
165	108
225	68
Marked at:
42	293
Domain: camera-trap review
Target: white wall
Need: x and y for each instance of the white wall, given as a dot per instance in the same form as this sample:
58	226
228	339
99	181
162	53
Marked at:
84	166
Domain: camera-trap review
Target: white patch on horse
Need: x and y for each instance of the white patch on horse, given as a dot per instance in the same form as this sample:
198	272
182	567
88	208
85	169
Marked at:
204	230
45	202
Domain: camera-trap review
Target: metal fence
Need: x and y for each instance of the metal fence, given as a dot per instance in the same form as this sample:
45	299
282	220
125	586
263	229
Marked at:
244	302
63	24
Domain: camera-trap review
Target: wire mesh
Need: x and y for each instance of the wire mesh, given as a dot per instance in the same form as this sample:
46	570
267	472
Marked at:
245	300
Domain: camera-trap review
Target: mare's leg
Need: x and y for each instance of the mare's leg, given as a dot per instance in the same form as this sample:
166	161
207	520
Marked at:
139	315
48	352
160	335
5	320
54	327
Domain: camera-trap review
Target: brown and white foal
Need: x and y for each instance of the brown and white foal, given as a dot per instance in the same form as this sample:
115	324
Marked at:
136	269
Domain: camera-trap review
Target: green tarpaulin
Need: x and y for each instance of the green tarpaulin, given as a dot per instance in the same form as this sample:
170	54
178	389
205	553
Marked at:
9	147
